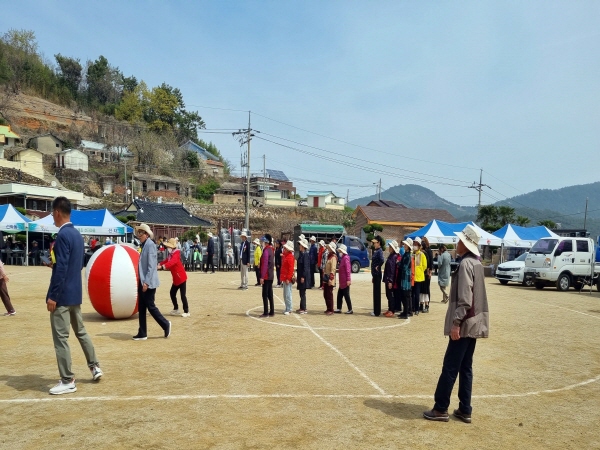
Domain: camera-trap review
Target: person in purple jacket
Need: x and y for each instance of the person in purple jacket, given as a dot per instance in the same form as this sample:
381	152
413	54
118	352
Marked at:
389	276
345	281
267	264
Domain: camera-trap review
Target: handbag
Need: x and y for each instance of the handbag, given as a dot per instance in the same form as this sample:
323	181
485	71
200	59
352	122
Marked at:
326	277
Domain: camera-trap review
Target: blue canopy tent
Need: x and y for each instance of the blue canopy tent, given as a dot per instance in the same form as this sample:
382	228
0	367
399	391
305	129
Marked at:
12	221
95	222
438	232
516	236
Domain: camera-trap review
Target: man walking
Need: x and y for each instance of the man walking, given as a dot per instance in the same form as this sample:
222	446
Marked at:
467	319
444	271
64	298
245	260
148	282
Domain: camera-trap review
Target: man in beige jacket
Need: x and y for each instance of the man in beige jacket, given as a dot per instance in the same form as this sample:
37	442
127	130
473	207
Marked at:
467	319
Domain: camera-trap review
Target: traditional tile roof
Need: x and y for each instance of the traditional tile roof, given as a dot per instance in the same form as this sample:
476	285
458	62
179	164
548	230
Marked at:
399	216
385	204
166	214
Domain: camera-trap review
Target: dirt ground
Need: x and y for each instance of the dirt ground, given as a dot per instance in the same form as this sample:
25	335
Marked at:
226	379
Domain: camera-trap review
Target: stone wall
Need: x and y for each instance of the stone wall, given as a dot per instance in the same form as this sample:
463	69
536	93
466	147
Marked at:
273	220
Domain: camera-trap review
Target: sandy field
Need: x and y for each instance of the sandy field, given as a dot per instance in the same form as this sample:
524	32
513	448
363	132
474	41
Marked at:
228	380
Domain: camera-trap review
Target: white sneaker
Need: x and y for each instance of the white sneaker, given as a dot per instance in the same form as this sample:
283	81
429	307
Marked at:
63	388
185	315
96	372
304	312
175	312
12	313
286	313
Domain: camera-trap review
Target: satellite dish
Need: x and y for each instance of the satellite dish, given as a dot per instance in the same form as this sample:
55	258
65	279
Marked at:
53	183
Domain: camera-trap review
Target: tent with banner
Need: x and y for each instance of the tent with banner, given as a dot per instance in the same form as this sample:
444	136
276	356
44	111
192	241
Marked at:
98	222
516	236
438	232
11	220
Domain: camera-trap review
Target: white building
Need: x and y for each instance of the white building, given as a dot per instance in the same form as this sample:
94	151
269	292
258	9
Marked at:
72	158
324	199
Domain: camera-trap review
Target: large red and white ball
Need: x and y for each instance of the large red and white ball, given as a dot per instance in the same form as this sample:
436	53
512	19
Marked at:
112	279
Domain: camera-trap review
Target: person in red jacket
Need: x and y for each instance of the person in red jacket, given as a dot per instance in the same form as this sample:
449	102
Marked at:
174	264
287	274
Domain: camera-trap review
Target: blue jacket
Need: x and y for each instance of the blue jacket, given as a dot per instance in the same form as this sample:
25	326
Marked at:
147	265
210	247
65	284
245	251
314	254
303	270
376	262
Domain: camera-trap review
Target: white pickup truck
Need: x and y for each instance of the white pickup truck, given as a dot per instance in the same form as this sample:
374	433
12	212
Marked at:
563	262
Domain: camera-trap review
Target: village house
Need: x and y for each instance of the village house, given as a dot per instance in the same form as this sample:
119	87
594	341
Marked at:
8	139
71	158
324	199
104	153
37	200
150	185
47	144
209	163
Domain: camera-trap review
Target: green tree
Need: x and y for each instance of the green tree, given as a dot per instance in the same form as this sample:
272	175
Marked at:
522	221
506	215
547	223
192	160
205	191
133	105
371	231
487	216
69	73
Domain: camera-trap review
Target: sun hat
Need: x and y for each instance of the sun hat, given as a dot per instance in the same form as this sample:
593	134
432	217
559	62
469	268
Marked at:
171	243
332	246
302	236
342	248
322	243
146	229
303	243
243	234
470	237
256	241
417	241
176	238
312	238
408	241
289	245
209	234
394	245
229	244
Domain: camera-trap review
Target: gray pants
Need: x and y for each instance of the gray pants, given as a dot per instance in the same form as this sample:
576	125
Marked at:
63	318
244	274
443	289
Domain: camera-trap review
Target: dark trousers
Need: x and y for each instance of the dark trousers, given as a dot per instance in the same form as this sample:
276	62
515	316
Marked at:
416	291
458	361
312	277
267	296
257	272
302	299
210	262
173	293
320	277
5	297
398	300
377	294
344	294
426	287
328	295
389	294
278	271
406	297
146	303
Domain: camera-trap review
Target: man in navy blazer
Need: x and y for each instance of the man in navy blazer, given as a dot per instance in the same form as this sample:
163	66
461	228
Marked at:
314	253
210	253
64	298
245	253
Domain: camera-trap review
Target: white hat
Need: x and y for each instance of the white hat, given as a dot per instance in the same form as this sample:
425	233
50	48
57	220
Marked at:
210	234
303	243
408	241
470	237
342	248
229	244
332	246
322	242
145	228
289	245
394	245
243	234
417	241
312	238
176	238
256	241
302	236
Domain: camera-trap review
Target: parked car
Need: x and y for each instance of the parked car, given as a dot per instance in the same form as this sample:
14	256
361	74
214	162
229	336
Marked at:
514	271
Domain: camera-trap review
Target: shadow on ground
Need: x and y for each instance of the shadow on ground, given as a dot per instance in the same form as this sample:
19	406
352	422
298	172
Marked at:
33	382
405	411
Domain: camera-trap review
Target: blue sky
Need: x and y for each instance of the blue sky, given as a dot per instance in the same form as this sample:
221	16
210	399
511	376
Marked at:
431	91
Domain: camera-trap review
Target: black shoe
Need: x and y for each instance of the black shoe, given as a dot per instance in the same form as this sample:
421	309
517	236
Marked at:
139	337
402	316
272	314
416	313
410	314
466	418
349	312
426	310
436	415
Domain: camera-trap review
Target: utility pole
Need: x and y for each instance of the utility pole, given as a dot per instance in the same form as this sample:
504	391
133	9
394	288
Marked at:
126	196
245	138
585	217
264	175
379	192
479	187
347	196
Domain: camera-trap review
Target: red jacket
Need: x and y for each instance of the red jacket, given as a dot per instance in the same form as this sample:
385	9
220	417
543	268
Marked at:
321	250
173	263
287	266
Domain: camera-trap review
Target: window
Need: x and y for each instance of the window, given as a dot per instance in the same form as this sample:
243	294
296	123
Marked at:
582	246
144	186
35	206
156	188
544	246
355	243
565	246
58	145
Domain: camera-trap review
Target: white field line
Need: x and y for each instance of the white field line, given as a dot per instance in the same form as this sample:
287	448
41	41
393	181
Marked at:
340	354
115	398
562	307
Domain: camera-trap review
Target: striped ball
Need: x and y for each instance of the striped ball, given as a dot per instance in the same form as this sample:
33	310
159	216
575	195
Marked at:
111	280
